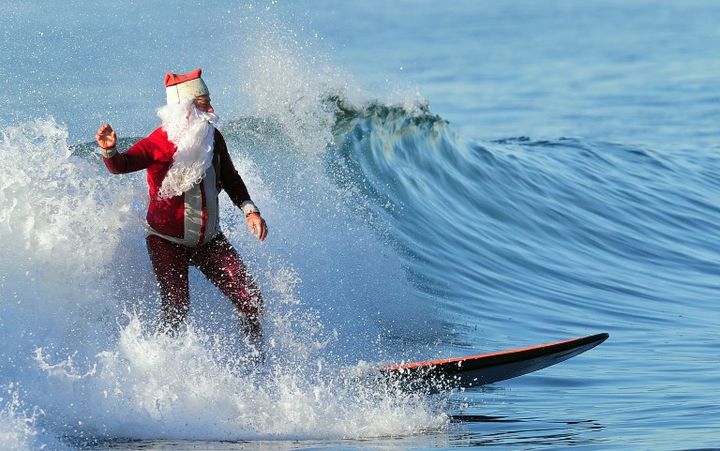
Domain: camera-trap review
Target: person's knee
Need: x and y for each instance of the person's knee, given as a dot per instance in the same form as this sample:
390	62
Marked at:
249	303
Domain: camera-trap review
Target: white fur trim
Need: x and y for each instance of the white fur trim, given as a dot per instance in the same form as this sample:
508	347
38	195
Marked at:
193	216
187	90
249	207
192	220
107	153
212	224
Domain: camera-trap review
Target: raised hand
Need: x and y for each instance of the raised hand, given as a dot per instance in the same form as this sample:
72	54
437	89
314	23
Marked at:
106	137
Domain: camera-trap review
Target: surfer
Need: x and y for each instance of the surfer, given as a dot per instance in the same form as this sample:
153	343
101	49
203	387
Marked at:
188	164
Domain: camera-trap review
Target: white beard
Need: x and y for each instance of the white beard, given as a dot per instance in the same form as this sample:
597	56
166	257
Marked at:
193	133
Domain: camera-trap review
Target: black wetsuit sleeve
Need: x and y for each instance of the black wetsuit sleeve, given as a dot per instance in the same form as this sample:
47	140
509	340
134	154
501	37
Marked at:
230	180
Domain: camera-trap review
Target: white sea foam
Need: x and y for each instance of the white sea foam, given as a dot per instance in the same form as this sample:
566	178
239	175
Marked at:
287	78
17	431
78	298
76	311
155	387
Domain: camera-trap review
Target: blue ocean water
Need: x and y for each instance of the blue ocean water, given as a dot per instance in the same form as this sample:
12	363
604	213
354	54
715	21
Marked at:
439	178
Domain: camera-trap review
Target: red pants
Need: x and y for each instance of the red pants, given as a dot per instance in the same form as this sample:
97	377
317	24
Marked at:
220	263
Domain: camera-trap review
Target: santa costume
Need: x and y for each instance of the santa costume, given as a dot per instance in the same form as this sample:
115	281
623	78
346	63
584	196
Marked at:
188	164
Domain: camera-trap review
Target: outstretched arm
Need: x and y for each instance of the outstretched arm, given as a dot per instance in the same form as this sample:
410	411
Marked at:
138	157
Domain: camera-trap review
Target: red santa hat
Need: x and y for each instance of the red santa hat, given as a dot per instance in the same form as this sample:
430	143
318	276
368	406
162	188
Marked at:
179	87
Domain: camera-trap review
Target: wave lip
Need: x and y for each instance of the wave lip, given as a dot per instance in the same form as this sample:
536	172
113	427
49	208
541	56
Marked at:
559	223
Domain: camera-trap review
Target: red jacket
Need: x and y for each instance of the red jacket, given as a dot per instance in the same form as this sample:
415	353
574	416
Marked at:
190	219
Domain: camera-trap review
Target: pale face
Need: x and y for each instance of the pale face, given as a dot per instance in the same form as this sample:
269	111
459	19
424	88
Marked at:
202	103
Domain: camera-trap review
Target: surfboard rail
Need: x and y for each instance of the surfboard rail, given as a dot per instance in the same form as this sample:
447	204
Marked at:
483	369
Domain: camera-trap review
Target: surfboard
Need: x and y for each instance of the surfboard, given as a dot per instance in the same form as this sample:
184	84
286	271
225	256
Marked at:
483	369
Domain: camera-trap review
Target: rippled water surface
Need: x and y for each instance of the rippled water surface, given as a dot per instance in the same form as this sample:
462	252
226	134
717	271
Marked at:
440	179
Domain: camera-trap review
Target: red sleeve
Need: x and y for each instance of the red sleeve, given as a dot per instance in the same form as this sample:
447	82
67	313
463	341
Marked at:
138	157
230	180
